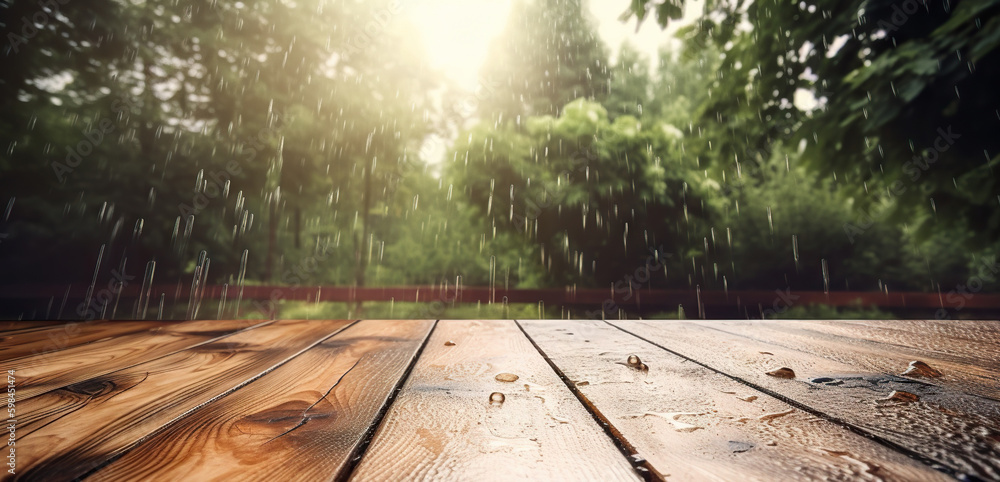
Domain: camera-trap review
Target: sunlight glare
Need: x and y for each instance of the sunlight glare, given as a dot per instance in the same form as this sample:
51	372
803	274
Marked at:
457	34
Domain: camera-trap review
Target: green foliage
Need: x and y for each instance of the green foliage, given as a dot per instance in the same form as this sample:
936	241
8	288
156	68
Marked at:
587	191
234	126
785	222
548	54
291	132
631	84
890	77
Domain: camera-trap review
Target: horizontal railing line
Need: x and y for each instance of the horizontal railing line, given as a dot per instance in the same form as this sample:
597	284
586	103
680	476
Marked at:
621	297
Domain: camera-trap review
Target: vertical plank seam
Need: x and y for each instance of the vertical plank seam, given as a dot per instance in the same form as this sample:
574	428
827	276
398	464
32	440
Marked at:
617	438
931	462
220	396
358	454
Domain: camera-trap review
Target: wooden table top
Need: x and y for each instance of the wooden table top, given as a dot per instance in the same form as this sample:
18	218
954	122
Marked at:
502	399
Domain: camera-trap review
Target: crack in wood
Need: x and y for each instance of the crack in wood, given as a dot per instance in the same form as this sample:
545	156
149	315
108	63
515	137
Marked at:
305	413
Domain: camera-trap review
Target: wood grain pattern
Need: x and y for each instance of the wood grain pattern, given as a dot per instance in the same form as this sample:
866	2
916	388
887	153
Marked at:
924	331
60	337
69	432
966	365
442	425
955	429
42	373
302	421
691	423
8	327
964	341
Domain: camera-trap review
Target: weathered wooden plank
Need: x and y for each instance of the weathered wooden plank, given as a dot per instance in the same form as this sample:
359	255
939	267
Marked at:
964	366
60	337
443	425
953	429
8	327
41	373
963	341
692	423
302	421
986	331
67	433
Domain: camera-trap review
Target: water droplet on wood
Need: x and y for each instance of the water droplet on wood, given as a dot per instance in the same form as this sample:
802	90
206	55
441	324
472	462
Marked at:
449	343
783	372
506	377
772	416
496	398
673	418
918	368
739	447
633	361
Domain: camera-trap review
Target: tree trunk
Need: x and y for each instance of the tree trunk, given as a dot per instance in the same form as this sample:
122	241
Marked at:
297	220
361	263
272	239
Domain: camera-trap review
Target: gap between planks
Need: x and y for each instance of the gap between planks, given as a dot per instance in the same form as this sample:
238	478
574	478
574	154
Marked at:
673	395
445	424
643	467
955	467
60	447
253	430
366	439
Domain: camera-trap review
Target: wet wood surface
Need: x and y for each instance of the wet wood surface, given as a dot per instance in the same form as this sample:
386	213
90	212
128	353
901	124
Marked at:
951	428
9	327
67	433
303	420
964	357
37	341
444	426
44	372
691	423
411	400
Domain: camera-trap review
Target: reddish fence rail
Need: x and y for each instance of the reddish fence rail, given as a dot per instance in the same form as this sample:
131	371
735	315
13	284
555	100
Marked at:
710	304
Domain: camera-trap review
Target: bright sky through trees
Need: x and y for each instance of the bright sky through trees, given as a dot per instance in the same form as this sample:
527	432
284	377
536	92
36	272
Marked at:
457	33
